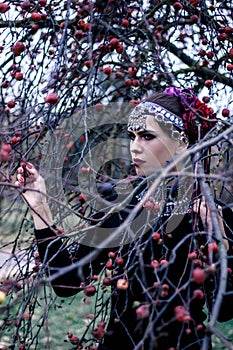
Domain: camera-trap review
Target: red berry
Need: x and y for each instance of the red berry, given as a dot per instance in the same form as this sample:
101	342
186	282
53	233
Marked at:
107	70
19	76
194	18
114	43
42	2
18	48
230	67
107	281
4	7
90	290
132	71
5	84
35	16
225	112
180	313
212	247
156	236
89	63
125	23
199	275
52	98
120	261
142	311
111	255
198	294
128	82
122	284
231	53
11	104
208	83
177	6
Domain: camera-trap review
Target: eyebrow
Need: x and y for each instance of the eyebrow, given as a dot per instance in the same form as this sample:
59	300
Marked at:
142	132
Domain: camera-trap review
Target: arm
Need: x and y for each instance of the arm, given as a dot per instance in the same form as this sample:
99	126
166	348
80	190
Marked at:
52	250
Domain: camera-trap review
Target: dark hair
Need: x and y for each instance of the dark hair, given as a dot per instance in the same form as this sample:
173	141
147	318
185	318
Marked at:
172	103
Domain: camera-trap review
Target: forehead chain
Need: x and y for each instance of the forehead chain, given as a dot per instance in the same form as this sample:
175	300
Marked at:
137	118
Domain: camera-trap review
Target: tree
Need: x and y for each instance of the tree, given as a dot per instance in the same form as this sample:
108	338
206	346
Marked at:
62	57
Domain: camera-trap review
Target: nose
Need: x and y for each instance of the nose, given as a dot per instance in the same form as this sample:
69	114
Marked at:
135	146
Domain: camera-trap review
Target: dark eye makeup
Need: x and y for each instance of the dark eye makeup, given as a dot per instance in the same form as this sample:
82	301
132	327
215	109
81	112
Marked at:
143	134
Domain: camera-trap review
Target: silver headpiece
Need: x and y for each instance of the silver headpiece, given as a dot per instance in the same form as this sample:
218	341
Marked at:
137	118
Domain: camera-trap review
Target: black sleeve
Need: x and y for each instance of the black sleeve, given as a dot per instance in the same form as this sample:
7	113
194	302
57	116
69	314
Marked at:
226	311
56	258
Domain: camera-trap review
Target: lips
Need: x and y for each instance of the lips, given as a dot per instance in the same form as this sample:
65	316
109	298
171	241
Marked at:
138	162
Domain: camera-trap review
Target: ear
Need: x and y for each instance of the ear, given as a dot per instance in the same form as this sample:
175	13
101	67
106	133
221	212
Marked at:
182	144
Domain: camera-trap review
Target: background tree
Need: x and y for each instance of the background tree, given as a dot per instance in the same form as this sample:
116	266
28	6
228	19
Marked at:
60	57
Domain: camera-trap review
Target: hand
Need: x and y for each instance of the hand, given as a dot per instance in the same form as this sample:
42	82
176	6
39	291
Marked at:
34	195
30	178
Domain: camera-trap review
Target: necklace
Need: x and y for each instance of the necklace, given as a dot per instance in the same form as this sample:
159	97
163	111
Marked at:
169	200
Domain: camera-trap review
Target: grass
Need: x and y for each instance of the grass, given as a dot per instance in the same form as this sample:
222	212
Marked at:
51	317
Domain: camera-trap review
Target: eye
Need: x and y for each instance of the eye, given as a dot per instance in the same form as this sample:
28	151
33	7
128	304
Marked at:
148	137
131	136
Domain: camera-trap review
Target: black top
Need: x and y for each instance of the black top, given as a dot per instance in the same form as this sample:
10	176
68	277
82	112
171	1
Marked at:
157	289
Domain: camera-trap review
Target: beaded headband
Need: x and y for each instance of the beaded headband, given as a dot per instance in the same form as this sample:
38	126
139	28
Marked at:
137	118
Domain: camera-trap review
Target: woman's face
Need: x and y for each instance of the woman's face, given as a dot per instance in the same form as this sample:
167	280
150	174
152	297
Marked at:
150	148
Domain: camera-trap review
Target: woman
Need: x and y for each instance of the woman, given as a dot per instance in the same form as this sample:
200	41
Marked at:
161	279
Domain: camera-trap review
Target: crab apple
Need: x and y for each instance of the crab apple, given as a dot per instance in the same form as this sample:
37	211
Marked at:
194	18
107	281
156	236
142	311
125	23
34	28
19	76
198	294
5	84
180	313
35	16
79	34
136	82
177	6
119	74
109	265
18	48
192	255
128	82
210	55
90	290
89	63
74	340
111	255
120	261
2	296
114	43
3	7
132	71
194	2
155	264
208	83
52	98
107	70
212	247
42	2
120	48
230	53
122	284
11	104
206	99
22	347
199	275
230	67
225	112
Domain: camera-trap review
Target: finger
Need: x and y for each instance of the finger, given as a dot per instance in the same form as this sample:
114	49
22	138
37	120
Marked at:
31	169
